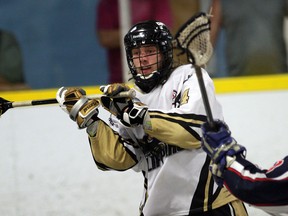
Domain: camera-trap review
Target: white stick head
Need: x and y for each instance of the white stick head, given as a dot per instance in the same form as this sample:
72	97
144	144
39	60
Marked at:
194	39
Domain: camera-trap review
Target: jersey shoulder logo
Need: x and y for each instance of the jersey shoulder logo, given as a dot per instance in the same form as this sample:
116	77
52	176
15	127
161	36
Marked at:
277	164
185	97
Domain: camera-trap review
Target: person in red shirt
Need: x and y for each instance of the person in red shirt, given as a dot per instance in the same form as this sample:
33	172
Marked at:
108	32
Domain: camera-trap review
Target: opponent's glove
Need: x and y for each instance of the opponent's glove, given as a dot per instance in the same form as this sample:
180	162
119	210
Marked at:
82	110
218	144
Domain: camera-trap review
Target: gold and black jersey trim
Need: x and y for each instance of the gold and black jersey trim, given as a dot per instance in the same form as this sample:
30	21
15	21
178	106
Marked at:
109	151
176	129
206	198
203	196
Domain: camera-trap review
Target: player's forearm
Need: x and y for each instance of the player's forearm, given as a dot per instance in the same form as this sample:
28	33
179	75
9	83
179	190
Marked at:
256	186
109	151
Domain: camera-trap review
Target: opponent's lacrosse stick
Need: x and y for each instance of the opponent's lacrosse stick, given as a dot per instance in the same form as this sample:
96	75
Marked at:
194	39
5	104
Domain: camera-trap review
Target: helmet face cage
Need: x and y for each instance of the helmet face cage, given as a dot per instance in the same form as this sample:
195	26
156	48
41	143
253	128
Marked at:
150	33
149	50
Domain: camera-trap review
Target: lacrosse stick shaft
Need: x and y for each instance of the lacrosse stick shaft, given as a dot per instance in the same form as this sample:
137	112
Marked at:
194	38
204	96
130	94
5	105
33	102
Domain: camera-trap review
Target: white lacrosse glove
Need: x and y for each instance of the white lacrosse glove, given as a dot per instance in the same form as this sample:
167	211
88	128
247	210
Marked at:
82	110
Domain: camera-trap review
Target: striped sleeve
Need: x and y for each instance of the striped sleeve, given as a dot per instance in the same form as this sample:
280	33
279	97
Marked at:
181	130
109	151
257	186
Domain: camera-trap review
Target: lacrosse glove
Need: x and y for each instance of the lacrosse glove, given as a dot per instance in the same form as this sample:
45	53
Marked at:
114	89
218	144
82	110
129	112
115	105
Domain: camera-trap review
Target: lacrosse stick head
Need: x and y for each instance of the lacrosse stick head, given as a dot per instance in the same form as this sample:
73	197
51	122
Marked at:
193	38
4	105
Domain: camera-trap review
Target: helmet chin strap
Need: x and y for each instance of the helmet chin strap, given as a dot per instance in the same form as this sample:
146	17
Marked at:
146	77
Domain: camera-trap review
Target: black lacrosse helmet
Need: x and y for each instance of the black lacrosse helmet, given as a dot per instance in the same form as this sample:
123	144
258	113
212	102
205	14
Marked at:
150	32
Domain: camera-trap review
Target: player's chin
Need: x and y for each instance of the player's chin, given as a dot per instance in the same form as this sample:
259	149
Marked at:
145	76
145	72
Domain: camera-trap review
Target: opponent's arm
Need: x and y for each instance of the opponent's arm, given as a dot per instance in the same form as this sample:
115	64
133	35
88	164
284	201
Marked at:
242	178
257	186
221	147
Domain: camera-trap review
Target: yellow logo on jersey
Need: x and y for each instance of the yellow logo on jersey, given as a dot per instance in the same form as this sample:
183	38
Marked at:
185	97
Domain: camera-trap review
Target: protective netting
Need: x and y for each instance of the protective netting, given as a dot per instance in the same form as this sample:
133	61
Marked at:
194	38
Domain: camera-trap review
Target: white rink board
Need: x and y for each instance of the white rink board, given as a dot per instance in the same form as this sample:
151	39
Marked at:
47	168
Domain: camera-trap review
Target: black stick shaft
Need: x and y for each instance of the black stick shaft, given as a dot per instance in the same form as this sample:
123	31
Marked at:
5	104
204	96
34	102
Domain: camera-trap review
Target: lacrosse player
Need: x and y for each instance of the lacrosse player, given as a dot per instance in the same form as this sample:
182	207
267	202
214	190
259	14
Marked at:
158	132
265	189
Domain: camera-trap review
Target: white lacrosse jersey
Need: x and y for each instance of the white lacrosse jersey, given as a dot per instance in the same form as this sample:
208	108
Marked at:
179	183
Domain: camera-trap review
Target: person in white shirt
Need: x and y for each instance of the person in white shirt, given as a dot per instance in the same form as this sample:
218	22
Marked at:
158	133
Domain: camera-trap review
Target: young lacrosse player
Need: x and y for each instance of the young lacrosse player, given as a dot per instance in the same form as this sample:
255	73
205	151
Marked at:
158	133
264	188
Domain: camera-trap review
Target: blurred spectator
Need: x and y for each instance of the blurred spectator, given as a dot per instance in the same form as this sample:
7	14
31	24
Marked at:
108	23
182	10
254	35
11	65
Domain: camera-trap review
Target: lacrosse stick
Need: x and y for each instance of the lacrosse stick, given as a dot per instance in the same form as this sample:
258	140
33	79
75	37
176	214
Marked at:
5	104
194	39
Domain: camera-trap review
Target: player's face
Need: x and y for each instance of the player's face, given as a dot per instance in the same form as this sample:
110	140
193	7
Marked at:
146	59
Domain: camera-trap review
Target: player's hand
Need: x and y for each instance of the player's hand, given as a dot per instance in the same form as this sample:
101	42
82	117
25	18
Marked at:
214	138
135	114
115	105
218	144
128	112
67	97
112	90
82	110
